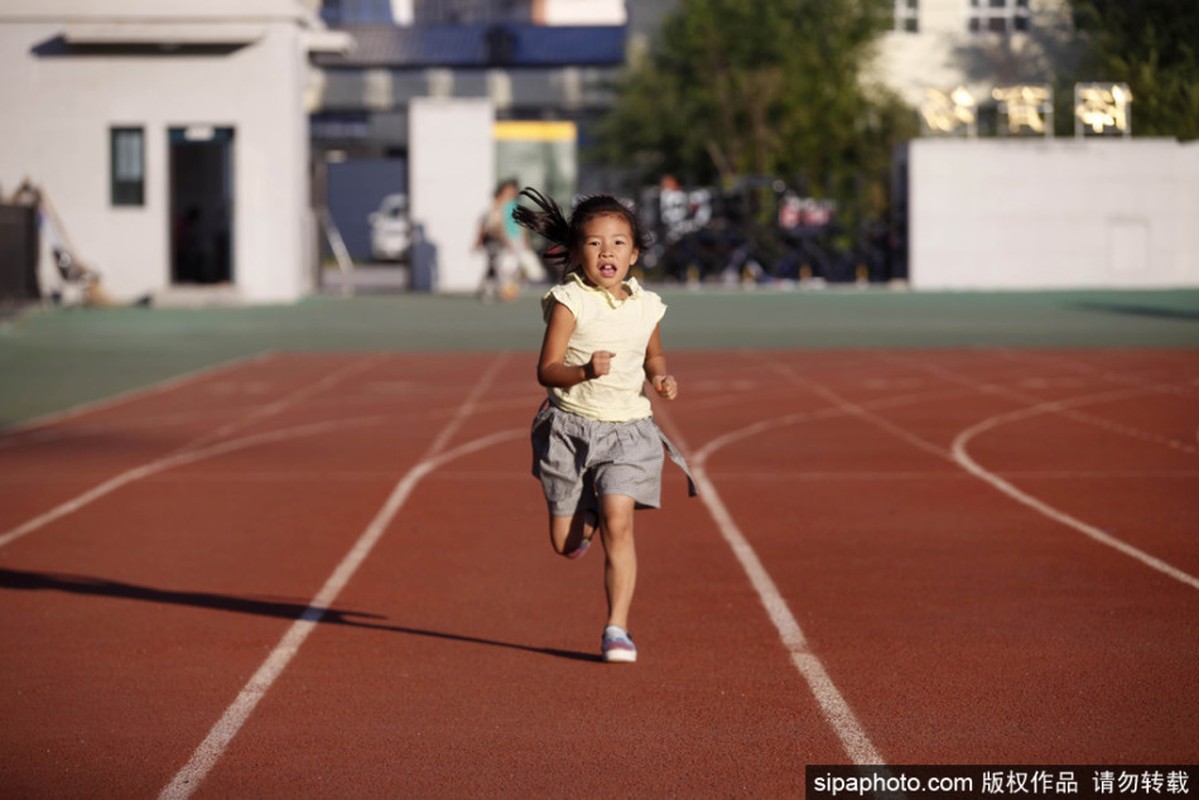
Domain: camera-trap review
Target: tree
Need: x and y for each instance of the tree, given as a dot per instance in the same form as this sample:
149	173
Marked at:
764	88
1153	46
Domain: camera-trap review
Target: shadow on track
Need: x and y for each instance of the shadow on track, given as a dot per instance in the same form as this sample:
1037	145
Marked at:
281	609
1130	309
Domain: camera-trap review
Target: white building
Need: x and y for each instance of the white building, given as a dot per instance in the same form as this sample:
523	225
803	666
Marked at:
171	138
973	44
1014	208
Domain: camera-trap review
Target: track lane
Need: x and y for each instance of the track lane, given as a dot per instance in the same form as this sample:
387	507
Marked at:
47	464
935	609
869	568
490	680
192	573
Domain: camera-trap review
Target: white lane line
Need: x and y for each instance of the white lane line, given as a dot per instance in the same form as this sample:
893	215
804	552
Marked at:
1105	373
1132	386
837	712
962	457
193	451
206	755
833	705
782	476
287	401
762	426
134	394
167	462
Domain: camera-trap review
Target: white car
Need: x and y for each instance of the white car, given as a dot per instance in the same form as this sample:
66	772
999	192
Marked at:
391	230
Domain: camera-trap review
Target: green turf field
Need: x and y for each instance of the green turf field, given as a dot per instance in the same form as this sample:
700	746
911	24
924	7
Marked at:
51	359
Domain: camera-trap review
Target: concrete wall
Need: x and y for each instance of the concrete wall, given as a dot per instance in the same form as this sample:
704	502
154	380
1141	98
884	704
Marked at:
1053	214
57	106
451	181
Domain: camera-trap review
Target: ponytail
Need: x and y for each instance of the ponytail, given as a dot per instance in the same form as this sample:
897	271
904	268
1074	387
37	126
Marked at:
550	223
567	234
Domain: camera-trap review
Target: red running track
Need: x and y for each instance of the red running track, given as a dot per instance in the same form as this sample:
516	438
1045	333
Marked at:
901	557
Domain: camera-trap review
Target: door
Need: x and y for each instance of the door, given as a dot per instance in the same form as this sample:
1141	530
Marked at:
201	204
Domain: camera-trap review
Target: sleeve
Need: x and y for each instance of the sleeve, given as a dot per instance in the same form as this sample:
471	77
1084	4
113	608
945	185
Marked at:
655	308
563	295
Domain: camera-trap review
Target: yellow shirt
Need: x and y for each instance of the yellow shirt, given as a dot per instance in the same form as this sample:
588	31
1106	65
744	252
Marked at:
622	327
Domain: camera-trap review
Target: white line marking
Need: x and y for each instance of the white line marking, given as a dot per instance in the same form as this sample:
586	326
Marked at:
962	457
762	426
959	455
832	704
1132	387
285	402
195	450
167	462
134	394
835	708
205	757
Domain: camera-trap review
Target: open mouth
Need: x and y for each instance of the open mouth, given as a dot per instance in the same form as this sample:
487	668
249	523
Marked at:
608	270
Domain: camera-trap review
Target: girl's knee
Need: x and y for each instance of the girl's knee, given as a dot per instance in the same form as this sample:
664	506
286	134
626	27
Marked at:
618	528
618	513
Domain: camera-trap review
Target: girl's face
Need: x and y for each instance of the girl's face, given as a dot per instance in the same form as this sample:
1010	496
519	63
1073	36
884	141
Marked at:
607	252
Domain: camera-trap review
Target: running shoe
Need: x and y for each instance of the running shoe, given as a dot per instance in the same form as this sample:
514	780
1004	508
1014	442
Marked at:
618	646
581	550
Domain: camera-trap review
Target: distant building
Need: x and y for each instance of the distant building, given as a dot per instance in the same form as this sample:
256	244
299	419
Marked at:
171	139
940	46
546	67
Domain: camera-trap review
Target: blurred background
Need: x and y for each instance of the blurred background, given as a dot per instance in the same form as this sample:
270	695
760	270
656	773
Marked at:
238	152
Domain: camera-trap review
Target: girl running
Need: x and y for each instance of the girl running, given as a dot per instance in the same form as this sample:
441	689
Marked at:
596	447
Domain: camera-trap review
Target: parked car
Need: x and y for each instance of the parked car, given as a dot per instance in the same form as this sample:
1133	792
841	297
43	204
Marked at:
391	229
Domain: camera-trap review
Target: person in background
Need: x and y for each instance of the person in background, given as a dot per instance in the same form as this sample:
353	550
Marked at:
502	240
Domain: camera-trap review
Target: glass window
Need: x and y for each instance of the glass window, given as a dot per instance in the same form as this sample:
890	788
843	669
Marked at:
907	15
998	16
128	167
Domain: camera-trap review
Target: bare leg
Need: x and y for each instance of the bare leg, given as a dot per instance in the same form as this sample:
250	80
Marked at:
620	557
567	533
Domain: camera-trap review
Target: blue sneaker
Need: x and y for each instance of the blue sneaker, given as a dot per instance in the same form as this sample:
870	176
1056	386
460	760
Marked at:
618	646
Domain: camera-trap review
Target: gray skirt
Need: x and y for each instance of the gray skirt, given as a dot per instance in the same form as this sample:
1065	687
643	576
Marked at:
578	460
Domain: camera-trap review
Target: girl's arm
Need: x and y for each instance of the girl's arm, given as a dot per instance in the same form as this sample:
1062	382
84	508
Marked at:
551	371
655	367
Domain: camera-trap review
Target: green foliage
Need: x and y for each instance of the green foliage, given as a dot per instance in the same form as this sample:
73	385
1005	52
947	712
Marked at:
762	87
1153	46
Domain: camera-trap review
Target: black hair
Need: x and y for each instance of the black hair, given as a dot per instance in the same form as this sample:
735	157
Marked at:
567	234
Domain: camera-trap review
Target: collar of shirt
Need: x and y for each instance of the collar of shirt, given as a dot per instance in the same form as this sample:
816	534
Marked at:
630	285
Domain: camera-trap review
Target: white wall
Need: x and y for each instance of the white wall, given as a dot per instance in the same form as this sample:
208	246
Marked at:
584	12
451	181
56	111
1052	214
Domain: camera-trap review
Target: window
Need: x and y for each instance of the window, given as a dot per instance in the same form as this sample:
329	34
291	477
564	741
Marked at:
351	12
128	167
907	15
997	16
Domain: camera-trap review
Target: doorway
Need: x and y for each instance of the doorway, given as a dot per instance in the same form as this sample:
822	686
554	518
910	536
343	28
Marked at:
201	167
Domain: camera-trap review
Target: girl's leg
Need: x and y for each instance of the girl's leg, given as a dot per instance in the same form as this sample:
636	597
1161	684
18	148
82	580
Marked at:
567	534
570	535
620	556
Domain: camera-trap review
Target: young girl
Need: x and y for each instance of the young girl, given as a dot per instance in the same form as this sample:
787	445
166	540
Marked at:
596	447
